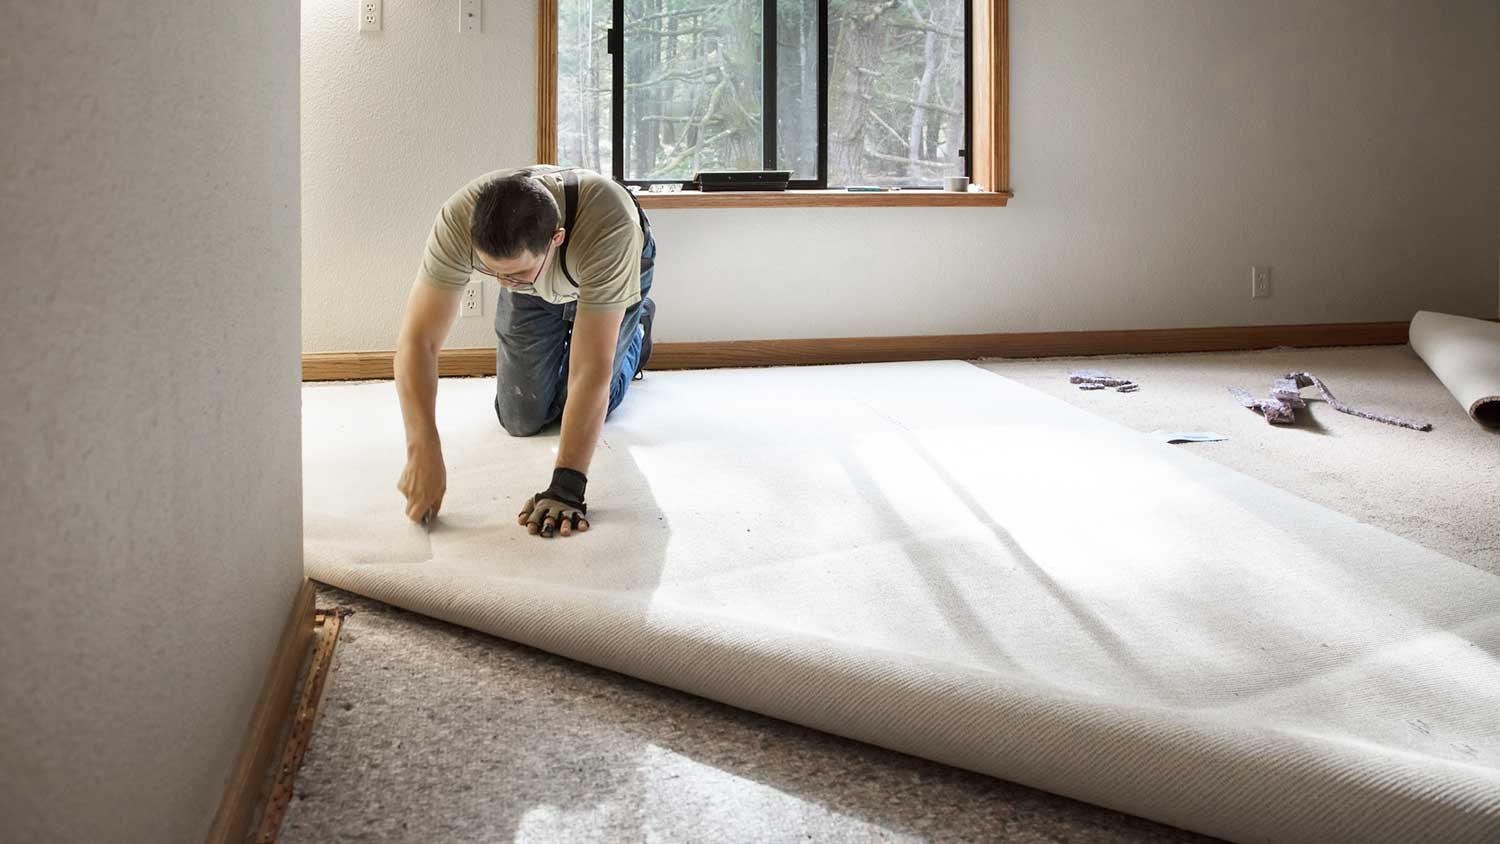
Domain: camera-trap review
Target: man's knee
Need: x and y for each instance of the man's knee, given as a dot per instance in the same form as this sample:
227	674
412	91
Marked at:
522	418
520	428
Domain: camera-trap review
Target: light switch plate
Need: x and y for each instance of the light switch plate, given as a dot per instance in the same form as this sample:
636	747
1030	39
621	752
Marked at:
471	16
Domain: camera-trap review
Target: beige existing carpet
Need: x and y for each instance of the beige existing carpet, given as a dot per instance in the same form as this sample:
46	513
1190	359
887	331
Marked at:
938	560
1439	488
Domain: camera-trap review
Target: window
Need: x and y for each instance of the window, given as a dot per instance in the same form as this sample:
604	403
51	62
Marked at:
839	92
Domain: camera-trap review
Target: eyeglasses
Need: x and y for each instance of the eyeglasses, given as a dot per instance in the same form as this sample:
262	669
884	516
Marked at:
512	279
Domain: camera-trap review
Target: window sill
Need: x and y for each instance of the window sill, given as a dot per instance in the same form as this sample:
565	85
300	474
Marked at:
823	199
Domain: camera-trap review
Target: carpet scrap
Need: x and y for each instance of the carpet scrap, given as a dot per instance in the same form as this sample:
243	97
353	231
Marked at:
1285	397
1093	379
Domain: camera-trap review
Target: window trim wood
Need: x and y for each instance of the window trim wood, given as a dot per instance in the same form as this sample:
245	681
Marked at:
990	162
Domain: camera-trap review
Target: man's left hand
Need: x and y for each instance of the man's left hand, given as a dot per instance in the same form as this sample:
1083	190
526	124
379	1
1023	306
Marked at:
558	508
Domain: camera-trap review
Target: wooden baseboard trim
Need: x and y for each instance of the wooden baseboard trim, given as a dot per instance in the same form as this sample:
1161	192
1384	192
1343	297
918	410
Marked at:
353	366
251	775
1029	345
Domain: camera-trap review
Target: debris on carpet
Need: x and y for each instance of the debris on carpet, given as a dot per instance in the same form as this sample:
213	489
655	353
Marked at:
1285	396
1173	437
1093	379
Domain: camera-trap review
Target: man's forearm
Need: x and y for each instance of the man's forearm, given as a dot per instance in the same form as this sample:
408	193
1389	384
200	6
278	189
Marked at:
583	417
416	384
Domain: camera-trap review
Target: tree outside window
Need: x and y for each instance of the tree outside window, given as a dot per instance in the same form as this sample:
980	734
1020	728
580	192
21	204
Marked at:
694	89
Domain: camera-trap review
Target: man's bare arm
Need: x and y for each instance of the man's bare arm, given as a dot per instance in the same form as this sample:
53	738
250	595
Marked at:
430	311
590	368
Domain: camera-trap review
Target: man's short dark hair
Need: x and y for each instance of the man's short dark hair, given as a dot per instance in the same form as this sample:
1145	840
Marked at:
511	214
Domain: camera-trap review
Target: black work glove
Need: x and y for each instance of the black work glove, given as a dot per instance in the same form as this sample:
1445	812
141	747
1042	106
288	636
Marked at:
558	507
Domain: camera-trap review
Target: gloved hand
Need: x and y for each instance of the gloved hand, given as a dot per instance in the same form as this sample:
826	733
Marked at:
558	508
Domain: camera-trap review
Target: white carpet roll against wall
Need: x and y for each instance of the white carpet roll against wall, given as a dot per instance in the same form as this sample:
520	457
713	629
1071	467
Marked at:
935	559
1464	354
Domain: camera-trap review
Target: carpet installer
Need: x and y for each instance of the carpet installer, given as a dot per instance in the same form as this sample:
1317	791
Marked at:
573	254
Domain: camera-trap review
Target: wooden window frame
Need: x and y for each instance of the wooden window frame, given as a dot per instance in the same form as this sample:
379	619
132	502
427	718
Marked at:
989	110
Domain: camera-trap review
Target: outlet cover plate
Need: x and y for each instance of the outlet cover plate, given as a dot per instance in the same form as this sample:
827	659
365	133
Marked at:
370	15
472	304
1260	282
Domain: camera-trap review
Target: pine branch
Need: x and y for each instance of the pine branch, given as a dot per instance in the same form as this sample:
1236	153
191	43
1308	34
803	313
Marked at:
926	27
903	159
680	14
888	128
913	103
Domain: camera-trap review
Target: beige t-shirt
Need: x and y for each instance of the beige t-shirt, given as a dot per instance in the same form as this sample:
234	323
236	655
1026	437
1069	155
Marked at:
604	248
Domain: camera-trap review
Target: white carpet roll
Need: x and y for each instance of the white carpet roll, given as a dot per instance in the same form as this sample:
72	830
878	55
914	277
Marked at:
1464	354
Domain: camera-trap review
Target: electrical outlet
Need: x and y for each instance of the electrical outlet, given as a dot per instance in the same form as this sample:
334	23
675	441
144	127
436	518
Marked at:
1260	282
369	15
473	301
470	16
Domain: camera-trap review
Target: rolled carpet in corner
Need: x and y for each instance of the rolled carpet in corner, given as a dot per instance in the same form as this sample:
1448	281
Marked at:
1464	354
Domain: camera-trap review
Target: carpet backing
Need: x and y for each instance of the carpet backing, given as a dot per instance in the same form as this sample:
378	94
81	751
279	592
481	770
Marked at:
1464	353
935	559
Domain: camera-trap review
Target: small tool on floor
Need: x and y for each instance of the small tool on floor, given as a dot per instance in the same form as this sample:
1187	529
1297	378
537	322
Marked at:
1093	379
1187	436
1285	397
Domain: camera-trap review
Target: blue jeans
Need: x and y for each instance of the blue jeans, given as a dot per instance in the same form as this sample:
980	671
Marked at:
531	362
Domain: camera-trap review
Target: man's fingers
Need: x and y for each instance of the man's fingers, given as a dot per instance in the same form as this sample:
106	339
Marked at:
545	517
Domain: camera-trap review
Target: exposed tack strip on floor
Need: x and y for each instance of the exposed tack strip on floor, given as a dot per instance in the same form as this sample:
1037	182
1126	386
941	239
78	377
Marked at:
327	623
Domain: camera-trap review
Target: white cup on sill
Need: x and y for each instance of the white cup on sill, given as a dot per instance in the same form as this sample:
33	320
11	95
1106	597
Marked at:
956	184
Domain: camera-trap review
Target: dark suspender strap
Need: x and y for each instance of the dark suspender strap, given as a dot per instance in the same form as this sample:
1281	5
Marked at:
570	215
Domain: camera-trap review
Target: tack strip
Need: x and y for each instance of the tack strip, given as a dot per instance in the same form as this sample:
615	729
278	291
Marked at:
329	621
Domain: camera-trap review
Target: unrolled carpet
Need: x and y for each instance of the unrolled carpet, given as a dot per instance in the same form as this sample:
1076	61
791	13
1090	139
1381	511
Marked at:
938	560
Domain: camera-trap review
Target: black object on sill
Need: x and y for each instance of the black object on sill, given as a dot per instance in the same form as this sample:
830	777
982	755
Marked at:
722	180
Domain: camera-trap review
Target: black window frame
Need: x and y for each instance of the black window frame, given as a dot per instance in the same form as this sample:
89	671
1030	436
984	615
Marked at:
615	45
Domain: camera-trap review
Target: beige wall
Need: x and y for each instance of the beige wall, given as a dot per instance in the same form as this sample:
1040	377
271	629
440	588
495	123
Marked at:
149	404
1161	147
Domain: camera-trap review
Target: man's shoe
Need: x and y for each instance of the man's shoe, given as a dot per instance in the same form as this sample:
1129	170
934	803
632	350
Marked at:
648	314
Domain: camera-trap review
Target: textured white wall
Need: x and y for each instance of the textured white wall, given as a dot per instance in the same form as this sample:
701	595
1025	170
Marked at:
149	434
1160	148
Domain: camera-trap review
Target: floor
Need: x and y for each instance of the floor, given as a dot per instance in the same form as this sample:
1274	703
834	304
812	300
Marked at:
432	732
1439	488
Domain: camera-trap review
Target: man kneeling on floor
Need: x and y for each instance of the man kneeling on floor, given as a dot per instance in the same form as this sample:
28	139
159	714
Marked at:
573	254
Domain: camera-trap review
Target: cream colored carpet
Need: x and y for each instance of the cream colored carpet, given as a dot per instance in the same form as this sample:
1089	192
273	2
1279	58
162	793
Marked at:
938	560
1440	488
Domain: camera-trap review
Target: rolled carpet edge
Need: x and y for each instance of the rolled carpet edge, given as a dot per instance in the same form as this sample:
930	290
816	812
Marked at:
1464	354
